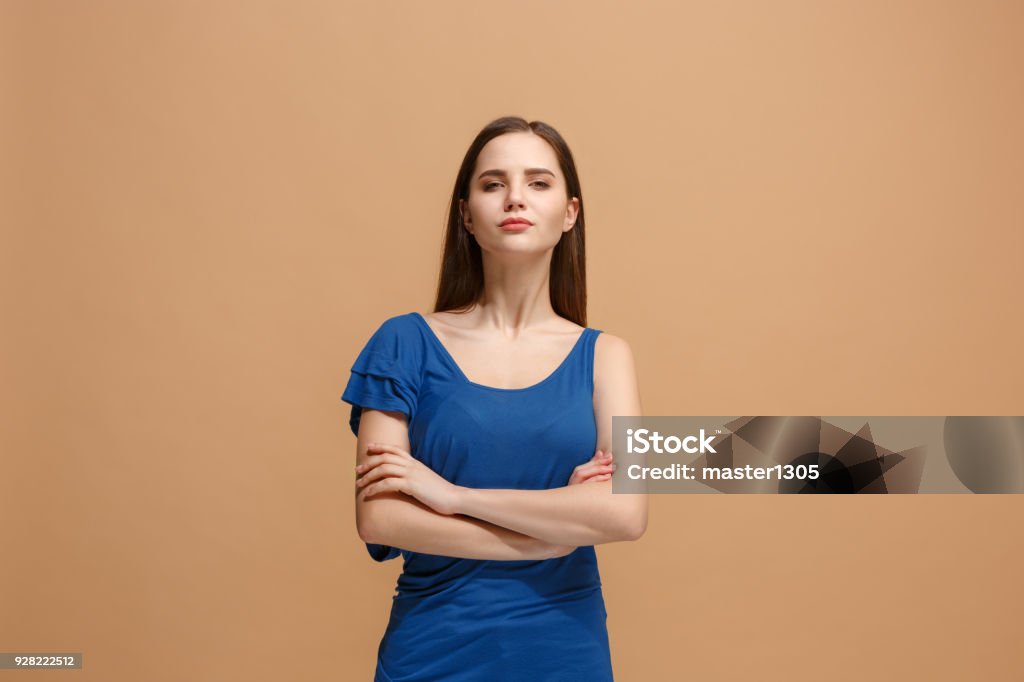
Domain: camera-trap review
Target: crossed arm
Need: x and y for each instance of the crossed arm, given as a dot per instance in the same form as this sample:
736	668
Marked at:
401	503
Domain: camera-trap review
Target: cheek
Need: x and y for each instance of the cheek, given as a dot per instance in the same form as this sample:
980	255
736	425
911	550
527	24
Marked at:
480	203
553	210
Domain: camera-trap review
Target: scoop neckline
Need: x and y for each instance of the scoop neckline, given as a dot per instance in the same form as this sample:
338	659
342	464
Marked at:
462	375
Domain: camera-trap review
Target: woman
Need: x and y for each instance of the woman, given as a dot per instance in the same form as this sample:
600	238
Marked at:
477	427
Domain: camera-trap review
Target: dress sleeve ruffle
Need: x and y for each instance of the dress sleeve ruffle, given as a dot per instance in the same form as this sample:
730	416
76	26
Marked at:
379	382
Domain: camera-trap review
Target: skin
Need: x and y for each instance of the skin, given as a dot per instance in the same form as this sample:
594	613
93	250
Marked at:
400	501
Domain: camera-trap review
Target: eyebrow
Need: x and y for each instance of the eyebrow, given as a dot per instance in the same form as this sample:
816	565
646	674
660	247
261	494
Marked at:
502	174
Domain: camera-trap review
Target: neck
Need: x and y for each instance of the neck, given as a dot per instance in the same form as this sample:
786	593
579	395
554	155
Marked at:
516	296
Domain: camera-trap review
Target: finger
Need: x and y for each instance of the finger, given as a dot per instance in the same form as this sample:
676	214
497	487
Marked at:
379	472
586	471
395	484
581	472
591	467
376	460
384	447
593	463
602	477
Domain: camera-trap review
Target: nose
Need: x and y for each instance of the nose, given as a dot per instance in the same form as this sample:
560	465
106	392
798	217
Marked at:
514	199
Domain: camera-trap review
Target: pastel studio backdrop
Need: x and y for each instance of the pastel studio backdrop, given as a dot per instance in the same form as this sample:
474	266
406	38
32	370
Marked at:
793	208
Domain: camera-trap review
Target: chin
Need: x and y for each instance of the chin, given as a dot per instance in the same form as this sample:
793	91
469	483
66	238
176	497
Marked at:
526	250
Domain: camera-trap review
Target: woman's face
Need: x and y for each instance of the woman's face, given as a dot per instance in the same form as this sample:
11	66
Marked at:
517	177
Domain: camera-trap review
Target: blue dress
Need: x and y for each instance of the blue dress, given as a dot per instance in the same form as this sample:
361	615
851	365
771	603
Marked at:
458	619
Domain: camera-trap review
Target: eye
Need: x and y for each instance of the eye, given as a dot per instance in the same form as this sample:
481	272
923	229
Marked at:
541	183
488	186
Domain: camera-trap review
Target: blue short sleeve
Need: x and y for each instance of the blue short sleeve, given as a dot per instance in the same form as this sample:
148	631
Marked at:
385	376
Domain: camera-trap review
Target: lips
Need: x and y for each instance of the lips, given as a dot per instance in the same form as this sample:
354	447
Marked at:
521	222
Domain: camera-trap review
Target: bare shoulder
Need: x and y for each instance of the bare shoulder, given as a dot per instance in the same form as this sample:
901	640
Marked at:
444	319
449	326
613	362
612	350
616	385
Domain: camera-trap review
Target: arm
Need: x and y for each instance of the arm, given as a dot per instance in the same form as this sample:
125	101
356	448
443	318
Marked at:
580	514
398	520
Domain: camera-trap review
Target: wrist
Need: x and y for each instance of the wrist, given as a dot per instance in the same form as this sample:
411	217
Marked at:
459	502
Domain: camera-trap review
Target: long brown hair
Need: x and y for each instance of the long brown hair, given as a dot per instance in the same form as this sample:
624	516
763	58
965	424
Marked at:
461	282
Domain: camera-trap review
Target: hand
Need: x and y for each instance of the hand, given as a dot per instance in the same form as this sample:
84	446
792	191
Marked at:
395	470
599	468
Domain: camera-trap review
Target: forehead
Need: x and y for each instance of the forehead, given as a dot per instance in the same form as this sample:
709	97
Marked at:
517	150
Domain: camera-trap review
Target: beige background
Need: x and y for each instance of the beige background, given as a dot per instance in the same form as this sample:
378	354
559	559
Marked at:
793	208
